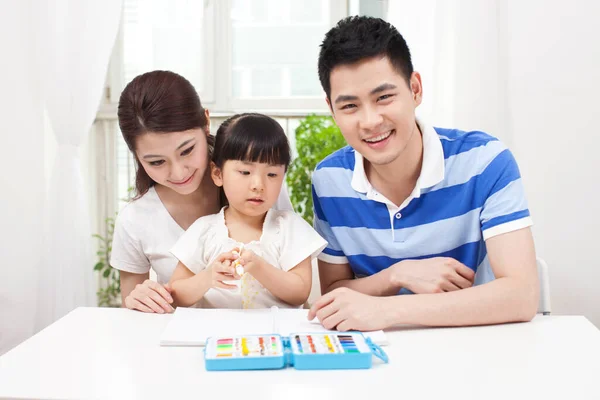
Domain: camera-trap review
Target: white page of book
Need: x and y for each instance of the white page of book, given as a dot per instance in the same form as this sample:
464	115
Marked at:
192	326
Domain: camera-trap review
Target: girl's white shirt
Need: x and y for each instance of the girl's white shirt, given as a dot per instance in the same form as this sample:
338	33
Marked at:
145	232
286	240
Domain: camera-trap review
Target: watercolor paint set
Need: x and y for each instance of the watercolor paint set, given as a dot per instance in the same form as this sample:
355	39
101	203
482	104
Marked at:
334	350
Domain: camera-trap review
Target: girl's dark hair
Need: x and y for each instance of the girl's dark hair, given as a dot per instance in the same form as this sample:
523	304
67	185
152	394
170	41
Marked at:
251	137
158	102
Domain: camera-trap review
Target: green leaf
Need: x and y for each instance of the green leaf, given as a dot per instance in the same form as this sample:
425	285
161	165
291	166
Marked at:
316	138
110	295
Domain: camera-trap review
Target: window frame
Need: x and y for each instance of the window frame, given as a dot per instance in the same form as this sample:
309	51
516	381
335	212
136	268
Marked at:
338	10
217	92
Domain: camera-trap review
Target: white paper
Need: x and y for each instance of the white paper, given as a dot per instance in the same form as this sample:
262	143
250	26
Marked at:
193	326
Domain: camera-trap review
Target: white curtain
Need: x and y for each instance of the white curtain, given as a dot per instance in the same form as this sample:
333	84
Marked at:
459	48
77	37
22	182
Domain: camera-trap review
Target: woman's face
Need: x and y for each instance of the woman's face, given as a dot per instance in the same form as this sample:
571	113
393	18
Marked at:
177	160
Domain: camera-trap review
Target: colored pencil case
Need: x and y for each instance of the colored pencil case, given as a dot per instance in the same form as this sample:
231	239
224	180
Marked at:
334	350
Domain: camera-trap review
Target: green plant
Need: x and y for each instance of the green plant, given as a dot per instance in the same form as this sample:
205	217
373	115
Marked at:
316	138
109	294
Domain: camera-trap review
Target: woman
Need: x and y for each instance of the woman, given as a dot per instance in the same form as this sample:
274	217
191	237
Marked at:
168	131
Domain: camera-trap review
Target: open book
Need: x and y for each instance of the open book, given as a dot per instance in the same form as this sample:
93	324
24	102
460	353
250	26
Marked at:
192	326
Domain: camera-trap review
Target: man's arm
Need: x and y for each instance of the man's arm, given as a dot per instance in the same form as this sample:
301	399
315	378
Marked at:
511	297
434	275
333	276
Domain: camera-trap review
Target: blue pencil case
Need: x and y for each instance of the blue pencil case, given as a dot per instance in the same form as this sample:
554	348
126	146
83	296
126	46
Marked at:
333	350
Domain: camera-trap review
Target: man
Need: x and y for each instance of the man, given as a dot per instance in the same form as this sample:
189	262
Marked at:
409	208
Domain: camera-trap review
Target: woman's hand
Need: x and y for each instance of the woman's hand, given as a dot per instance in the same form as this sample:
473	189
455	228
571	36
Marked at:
150	297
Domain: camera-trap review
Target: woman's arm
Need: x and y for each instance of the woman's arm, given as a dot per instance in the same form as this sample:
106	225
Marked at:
140	293
129	281
293	286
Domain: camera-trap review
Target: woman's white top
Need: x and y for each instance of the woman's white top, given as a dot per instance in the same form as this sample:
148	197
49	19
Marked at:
145	232
286	240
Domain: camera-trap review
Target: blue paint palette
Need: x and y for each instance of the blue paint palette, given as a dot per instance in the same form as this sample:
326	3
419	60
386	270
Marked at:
332	350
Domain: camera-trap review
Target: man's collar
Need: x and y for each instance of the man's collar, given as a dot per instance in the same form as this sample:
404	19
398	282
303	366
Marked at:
432	170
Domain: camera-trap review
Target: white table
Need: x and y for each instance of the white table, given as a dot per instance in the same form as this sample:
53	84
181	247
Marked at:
114	353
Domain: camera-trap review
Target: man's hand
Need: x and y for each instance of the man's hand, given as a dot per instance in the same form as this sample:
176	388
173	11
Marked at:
432	275
344	309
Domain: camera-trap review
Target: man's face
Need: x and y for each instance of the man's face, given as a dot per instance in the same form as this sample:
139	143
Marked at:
375	108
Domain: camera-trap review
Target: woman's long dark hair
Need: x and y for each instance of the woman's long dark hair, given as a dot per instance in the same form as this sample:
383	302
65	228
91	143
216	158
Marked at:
158	102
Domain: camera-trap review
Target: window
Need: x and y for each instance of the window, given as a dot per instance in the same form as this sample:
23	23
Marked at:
274	50
174	35
238	54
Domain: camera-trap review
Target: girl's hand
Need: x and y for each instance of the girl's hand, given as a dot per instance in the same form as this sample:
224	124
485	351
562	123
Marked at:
250	260
150	297
222	270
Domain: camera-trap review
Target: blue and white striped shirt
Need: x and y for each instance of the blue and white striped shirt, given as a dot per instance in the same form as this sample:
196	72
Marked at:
469	190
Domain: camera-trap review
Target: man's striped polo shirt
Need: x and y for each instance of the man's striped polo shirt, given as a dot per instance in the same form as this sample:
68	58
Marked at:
469	190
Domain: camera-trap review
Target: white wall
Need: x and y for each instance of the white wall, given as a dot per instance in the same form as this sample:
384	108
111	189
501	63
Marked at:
527	72
554	108
21	175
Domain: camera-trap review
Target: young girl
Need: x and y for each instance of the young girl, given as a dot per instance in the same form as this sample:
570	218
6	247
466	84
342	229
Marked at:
250	158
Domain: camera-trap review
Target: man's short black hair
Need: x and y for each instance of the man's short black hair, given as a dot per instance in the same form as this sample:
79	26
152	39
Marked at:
357	38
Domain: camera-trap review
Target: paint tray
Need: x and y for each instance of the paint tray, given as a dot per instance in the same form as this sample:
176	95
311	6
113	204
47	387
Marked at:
333	350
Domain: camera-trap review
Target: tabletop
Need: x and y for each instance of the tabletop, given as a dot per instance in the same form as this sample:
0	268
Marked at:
103	353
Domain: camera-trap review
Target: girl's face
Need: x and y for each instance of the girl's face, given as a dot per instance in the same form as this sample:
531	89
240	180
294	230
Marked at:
251	187
177	160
